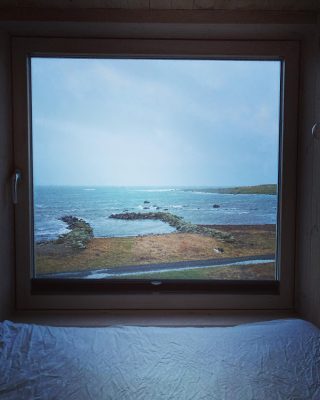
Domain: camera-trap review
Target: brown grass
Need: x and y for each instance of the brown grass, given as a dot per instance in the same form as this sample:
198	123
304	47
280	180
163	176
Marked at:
245	272
138	250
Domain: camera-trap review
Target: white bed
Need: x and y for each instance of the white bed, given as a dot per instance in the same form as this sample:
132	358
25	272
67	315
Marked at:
273	360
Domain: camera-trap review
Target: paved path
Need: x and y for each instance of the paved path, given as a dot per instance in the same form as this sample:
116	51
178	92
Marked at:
180	265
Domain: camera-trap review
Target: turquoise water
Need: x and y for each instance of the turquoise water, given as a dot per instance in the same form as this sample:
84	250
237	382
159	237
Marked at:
96	204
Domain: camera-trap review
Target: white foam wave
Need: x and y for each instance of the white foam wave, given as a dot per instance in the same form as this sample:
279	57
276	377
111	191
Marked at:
202	193
155	190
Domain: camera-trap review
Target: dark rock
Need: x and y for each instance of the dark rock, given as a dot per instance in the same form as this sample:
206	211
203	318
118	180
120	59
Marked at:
216	206
146	202
176	222
80	233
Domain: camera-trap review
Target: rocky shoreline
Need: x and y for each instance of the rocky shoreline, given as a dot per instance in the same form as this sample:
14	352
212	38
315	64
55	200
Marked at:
80	233
176	222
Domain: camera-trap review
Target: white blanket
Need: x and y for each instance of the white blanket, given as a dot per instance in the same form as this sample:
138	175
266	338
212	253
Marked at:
274	360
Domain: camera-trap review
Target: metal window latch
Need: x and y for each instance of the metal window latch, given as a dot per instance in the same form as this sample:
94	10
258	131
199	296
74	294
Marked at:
16	177
156	283
316	130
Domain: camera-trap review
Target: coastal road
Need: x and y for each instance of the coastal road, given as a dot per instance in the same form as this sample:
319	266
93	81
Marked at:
163	267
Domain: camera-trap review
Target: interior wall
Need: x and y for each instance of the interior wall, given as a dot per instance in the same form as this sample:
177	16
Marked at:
308	243
6	208
308	232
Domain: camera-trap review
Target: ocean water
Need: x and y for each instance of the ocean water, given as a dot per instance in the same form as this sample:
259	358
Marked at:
96	204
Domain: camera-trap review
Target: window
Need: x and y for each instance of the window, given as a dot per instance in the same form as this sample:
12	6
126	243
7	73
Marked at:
155	167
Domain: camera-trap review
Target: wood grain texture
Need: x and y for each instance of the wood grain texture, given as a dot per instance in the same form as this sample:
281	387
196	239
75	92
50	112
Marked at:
157	15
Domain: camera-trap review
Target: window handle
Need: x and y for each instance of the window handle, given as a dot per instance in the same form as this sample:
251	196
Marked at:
316	130
16	177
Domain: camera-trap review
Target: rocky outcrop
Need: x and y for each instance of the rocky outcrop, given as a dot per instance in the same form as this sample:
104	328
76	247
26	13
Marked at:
80	233
176	222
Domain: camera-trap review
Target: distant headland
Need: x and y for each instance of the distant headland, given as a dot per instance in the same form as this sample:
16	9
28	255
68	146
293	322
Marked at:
257	189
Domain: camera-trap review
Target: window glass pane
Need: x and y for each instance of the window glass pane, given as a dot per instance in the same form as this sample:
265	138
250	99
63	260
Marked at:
155	169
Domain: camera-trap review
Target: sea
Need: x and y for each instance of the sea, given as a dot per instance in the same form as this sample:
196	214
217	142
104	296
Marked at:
96	204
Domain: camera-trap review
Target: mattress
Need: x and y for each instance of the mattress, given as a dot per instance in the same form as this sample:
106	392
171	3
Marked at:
272	360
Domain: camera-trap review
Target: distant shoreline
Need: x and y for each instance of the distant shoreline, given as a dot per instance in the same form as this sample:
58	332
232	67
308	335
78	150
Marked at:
270	189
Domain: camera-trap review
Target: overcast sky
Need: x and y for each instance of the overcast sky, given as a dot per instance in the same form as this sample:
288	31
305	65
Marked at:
155	122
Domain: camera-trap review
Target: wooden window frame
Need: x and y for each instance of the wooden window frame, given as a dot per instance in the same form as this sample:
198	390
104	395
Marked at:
143	294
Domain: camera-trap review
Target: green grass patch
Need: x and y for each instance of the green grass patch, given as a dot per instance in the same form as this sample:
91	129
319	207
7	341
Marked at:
265	271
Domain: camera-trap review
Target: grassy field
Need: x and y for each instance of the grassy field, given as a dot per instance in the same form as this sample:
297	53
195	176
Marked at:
152	249
248	272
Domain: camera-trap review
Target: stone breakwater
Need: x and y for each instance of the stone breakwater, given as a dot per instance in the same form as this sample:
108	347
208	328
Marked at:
176	222
80	233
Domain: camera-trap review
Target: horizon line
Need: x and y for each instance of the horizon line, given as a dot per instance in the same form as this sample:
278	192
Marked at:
157	186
